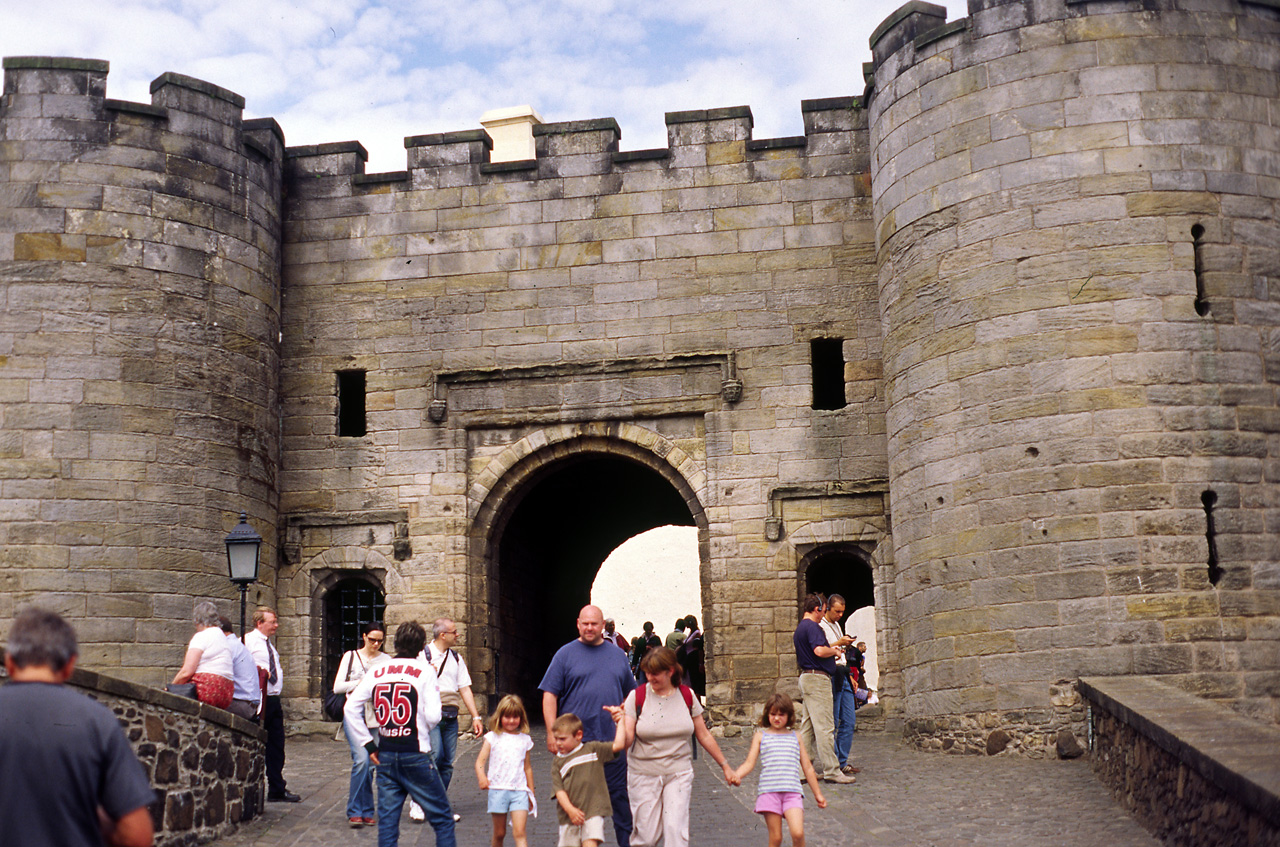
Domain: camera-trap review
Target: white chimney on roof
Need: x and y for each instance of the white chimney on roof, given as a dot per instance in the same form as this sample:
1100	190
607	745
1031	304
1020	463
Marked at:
512	132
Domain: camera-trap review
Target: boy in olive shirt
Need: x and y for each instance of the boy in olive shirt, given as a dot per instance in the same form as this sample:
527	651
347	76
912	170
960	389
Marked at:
577	775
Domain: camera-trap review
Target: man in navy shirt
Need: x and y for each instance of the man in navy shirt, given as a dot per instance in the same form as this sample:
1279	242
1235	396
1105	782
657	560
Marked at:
816	660
586	675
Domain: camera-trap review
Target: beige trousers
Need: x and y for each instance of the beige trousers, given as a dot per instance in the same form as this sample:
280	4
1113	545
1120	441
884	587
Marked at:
818	729
659	808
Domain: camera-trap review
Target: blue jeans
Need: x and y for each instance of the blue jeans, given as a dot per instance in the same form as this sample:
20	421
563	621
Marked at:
444	744
415	775
615	774
846	720
360	795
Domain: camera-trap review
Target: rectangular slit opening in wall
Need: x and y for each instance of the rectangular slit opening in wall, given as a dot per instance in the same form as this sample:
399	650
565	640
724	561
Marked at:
1202	301
826	357
1209	498
351	405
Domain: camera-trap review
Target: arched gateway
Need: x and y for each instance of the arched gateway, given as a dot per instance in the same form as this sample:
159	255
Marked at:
542	532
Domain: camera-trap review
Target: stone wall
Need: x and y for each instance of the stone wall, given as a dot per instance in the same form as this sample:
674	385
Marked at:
1190	771
588	302
1076	207
206	765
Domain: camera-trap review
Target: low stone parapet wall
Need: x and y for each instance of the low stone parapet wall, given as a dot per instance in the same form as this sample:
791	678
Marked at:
1190	770
206	765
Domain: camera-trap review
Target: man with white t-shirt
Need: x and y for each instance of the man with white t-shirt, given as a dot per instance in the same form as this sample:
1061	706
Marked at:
841	684
455	691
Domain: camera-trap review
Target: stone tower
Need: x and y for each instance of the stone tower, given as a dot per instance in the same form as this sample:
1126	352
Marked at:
140	360
1076	207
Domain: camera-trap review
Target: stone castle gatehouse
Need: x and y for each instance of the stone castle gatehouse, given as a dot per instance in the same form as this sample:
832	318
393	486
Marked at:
996	344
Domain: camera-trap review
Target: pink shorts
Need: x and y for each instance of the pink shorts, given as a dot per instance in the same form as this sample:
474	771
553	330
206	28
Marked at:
779	802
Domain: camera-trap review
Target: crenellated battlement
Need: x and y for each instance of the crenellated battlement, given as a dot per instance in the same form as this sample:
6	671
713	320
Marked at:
588	147
64	100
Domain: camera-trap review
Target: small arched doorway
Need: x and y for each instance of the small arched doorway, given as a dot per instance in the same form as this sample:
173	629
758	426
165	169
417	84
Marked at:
349	604
550	524
840	569
845	569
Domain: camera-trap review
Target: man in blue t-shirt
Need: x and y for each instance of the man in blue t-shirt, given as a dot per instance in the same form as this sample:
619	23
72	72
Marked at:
586	675
816	660
70	777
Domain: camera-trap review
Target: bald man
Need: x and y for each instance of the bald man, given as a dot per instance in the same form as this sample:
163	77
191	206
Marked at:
586	675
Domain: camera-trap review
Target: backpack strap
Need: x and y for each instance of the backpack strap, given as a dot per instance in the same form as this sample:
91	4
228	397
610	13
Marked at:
685	691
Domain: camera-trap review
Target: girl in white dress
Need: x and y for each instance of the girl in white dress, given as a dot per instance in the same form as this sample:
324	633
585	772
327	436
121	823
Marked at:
509	777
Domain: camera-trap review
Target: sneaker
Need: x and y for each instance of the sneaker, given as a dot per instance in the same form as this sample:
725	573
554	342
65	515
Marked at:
850	769
456	817
841	779
415	813
356	823
368	821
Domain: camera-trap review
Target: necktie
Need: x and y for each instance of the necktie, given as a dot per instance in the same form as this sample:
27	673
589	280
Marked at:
271	661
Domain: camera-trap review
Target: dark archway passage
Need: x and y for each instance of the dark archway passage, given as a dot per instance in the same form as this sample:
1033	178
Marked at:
562	521
838	569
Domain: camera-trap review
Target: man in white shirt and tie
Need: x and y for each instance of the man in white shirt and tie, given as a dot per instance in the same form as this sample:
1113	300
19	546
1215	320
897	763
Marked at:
258	640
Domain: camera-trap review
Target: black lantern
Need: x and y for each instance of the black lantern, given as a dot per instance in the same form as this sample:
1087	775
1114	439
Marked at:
242	560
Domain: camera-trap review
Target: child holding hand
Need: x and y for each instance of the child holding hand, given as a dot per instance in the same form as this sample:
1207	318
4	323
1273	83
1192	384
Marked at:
782	760
509	776
577	775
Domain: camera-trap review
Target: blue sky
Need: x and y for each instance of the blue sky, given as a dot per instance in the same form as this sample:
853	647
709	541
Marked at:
376	71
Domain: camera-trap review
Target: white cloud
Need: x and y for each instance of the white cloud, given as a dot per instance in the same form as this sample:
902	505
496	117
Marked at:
378	70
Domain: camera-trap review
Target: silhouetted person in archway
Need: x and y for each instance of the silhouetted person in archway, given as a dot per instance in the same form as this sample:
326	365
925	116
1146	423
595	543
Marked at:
584	677
676	637
692	655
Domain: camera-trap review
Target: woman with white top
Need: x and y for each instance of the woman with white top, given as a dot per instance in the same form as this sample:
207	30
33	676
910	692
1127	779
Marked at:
355	664
661	718
208	659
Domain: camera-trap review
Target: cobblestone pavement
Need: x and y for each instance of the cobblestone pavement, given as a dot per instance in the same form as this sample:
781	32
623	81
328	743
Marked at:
903	798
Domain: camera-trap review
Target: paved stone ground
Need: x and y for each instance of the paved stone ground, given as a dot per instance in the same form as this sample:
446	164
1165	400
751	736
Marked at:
903	798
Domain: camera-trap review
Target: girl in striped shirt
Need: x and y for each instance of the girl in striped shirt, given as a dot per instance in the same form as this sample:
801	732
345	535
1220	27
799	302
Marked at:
782	759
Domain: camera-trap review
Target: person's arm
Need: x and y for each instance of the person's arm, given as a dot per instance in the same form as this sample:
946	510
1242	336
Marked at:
528	769
576	817
482	762
709	743
753	755
477	725
629	718
811	777
550	703
257	646
819	644
133	829
620	731
353	717
189	665
341	684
